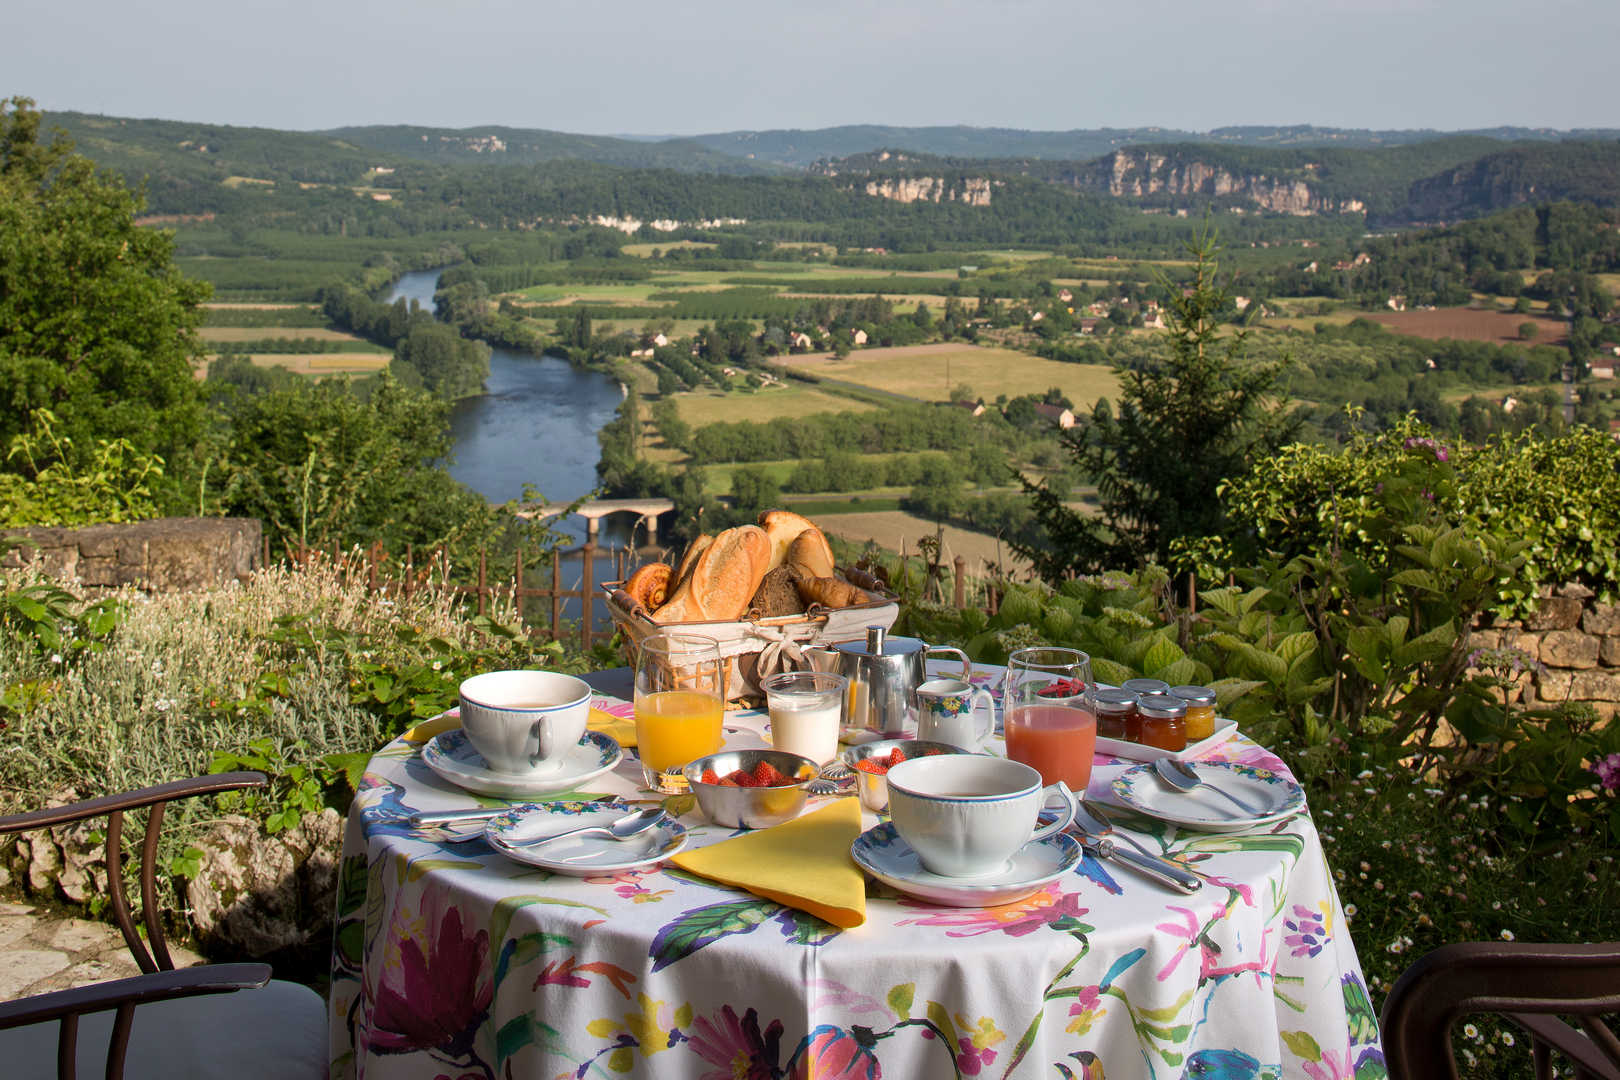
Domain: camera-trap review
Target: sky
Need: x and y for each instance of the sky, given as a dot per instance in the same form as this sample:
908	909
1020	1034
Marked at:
658	67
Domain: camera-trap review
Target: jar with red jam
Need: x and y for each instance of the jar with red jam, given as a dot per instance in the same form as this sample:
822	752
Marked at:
1164	721
1200	710
1116	714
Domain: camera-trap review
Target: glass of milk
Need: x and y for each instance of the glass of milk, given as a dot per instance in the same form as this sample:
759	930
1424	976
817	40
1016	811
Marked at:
807	712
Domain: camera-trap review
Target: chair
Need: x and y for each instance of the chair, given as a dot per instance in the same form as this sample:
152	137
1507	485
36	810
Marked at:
218	1020
1526	983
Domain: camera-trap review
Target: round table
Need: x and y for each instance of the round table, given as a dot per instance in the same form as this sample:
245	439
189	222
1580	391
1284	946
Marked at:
452	963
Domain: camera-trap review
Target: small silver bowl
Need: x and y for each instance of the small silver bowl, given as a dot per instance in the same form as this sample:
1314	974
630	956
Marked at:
750	808
874	787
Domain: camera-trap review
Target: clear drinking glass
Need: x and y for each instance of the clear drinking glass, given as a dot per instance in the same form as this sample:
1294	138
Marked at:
680	699
1048	715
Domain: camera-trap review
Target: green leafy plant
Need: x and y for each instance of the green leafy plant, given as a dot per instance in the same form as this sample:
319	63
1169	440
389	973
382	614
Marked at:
51	488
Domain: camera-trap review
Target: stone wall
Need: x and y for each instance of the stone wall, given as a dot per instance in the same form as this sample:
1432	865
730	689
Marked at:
1573	643
165	555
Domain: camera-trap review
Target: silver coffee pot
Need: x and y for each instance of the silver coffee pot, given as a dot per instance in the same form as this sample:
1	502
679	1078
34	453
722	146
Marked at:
884	673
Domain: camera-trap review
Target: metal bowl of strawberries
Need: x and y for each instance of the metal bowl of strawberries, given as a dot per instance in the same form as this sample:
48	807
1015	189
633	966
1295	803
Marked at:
750	789
871	762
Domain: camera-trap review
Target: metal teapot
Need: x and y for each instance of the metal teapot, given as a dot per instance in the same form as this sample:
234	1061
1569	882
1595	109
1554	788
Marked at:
884	673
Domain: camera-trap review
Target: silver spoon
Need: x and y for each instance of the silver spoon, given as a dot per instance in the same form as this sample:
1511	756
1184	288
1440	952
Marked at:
621	829
1180	776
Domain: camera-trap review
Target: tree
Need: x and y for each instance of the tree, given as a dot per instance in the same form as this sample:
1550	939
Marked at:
1527	331
96	323
1183	425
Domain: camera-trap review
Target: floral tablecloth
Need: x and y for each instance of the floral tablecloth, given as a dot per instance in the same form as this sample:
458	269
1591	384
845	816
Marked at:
451	963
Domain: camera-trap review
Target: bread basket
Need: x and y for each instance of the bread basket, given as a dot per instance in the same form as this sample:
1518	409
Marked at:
756	648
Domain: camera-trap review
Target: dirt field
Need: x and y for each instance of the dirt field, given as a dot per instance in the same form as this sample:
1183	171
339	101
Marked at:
928	372
1467	324
892	528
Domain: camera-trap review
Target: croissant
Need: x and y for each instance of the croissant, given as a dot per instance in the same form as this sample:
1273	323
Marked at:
649	585
829	591
810	552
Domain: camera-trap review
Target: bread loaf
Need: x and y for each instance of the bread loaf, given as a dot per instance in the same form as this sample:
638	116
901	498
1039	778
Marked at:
776	596
827	591
689	559
783	527
723	578
811	553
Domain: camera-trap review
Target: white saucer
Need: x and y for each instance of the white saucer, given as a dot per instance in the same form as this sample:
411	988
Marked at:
882	853
581	856
451	756
1279	797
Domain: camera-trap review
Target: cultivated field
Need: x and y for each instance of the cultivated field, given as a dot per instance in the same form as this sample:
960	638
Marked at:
317	364
699	407
291	333
928	372
894	529
1468	324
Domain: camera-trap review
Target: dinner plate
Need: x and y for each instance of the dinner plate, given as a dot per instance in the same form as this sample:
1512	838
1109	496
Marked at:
451	756
1141	789
882	853
514	832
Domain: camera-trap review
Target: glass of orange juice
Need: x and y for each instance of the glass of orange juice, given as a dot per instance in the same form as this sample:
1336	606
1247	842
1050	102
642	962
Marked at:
1048	716
680	698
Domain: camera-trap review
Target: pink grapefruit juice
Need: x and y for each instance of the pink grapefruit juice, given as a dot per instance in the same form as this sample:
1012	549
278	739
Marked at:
1056	740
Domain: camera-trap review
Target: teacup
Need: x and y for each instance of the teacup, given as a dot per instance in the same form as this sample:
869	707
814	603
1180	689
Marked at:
966	815
947	712
524	722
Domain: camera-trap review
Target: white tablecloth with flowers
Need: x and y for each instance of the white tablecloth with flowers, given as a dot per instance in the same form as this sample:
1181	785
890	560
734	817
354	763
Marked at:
451	963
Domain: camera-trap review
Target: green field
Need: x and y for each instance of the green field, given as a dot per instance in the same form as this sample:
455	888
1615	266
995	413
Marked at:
699	407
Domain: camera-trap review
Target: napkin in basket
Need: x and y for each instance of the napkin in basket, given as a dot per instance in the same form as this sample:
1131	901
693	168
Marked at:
804	863
620	729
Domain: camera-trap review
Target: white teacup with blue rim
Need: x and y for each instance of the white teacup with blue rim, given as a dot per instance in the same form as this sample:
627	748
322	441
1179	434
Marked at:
524	723
955	712
966	815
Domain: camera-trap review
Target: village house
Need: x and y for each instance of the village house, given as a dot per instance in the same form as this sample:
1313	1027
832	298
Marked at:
1065	295
1060	416
1602	369
858	337
974	408
1088	326
1153	320
800	340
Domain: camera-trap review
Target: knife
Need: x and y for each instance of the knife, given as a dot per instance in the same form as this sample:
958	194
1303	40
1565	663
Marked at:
1161	870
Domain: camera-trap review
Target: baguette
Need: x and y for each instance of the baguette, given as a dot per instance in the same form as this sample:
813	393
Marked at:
689	559
811	553
723	578
783	527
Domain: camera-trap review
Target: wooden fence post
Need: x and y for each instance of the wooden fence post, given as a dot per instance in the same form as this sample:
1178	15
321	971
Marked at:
587	579
556	593
959	596
483	579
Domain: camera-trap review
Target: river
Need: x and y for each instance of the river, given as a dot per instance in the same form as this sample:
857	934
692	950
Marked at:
535	424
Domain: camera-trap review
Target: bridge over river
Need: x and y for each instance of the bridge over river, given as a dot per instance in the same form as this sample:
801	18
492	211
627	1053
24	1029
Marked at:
647	512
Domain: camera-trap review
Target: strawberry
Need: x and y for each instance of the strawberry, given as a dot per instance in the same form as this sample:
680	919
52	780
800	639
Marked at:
745	779
710	777
875	766
896	756
726	781
769	775
1063	688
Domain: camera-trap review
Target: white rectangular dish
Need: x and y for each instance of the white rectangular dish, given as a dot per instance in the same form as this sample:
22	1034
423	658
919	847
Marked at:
1224	729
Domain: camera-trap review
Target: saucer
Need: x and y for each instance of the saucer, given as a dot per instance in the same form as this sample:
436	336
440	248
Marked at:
882	853
451	756
582	856
1278	797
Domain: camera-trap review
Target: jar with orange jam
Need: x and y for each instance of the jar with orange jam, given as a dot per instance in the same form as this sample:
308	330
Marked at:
1116	714
1163	718
1200	710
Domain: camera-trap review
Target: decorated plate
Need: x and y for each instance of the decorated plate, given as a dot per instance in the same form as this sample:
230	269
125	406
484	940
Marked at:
883	854
451	756
1274	794
517	834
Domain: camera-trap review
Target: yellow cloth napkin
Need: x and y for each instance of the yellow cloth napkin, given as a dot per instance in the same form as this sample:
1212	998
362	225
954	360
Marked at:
804	863
621	731
618	728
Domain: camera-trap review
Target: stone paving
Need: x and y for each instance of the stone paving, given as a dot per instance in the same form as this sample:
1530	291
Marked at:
42	950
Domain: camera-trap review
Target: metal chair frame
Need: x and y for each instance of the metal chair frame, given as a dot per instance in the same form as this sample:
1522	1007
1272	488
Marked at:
158	981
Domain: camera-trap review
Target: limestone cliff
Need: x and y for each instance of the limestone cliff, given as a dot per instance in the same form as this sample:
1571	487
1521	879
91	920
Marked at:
1143	172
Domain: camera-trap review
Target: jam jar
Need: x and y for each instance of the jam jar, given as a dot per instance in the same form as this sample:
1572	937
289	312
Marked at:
1145	686
1200	710
1116	714
1164	721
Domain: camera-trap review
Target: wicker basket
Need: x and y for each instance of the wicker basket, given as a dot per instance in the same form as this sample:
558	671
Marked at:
755	649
